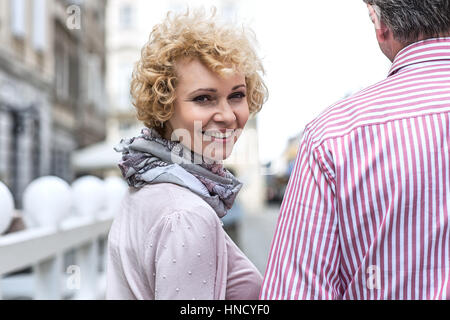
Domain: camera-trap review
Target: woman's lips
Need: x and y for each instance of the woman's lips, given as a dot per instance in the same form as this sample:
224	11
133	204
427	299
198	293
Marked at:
221	136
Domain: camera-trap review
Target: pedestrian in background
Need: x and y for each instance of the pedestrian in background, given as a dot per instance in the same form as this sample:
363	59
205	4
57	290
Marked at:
194	88
366	211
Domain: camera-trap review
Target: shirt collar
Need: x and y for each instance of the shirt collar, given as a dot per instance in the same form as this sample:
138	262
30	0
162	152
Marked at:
423	51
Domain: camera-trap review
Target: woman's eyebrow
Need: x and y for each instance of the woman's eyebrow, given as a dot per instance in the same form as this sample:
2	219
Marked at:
239	86
215	90
204	89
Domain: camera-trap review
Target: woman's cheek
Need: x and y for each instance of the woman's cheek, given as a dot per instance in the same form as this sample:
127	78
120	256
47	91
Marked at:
243	117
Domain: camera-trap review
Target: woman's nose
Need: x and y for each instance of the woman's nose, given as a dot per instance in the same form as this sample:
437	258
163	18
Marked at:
224	113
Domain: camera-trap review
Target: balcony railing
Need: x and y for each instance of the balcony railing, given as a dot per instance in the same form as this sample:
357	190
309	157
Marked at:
59	255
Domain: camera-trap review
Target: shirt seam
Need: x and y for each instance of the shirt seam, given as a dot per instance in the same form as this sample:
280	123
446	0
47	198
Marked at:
324	168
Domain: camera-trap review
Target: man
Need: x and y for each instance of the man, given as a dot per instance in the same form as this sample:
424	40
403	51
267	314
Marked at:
366	211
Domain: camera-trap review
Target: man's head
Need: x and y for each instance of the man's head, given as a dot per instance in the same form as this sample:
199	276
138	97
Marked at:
399	23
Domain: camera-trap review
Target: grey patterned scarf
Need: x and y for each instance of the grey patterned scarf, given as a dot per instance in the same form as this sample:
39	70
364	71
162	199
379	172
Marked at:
150	159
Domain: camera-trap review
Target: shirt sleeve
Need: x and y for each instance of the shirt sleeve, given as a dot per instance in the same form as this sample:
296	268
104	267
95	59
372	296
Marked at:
185	257
304	262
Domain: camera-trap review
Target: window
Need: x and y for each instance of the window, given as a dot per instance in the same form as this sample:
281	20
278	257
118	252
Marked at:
18	27
39	25
126	16
60	161
14	154
61	72
74	77
3	146
95	84
94	79
35	148
123	85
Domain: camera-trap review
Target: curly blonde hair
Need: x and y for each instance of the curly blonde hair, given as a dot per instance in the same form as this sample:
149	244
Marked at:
222	49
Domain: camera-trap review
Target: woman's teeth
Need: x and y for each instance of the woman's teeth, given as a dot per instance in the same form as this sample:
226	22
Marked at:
219	135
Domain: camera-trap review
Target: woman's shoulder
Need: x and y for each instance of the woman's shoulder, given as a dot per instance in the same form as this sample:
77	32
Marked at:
165	194
151	208
156	201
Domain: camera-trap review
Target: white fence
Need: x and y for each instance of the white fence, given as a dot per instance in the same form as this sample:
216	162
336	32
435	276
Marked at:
64	242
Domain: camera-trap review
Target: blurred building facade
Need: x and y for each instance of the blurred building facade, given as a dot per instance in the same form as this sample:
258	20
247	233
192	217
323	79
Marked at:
80	101
124	38
52	97
127	32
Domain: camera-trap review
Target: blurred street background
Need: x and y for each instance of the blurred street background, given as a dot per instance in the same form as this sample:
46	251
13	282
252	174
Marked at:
65	70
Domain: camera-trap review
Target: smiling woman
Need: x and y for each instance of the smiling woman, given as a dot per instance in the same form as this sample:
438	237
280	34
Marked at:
210	111
194	88
223	50
191	62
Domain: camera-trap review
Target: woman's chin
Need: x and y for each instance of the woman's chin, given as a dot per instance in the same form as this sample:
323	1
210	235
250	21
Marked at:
216	155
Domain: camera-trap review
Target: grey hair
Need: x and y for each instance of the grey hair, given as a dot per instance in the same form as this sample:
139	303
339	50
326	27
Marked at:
411	19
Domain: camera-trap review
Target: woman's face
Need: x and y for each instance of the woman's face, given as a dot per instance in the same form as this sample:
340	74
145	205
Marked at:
210	111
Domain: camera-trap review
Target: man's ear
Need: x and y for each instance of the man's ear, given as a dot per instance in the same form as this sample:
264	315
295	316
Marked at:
382	31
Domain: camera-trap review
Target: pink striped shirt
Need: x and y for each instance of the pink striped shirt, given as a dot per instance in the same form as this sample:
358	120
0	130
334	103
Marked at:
366	211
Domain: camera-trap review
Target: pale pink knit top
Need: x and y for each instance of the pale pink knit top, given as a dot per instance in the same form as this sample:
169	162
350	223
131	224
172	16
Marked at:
168	243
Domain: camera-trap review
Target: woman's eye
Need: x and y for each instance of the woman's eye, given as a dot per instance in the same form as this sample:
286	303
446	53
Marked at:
202	99
237	96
